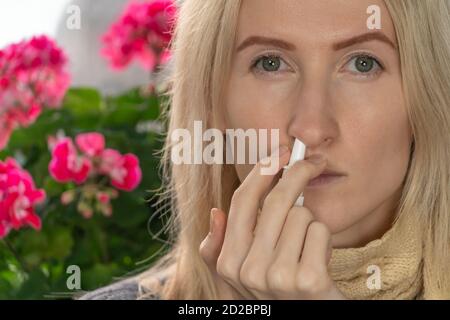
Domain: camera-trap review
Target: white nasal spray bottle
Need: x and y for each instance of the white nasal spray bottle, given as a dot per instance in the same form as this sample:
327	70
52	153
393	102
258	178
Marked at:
298	153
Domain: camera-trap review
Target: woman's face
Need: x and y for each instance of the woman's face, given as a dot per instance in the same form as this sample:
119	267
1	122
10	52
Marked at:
303	67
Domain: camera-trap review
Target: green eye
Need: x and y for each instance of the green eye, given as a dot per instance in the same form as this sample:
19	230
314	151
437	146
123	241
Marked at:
364	64
268	64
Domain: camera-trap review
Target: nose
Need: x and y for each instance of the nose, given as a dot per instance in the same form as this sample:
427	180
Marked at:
313	119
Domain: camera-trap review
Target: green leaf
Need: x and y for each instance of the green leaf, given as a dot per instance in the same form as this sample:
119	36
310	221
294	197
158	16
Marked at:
60	243
83	101
103	247
35	287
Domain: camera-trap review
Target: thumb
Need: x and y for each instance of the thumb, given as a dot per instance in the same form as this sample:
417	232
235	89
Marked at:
210	249
212	244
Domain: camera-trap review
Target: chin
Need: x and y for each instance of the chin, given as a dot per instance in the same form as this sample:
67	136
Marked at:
332	216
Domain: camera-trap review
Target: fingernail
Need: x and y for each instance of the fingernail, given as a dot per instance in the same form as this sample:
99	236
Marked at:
317	159
281	150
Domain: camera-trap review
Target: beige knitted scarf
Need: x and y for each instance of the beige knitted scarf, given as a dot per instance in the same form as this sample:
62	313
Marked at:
386	268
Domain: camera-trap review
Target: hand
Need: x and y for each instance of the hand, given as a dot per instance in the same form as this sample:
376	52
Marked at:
210	249
284	253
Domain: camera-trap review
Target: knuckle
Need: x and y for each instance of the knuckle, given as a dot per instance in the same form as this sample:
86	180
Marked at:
308	280
252	276
279	278
225	269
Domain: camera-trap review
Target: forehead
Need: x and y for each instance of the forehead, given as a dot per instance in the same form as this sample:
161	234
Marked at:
307	22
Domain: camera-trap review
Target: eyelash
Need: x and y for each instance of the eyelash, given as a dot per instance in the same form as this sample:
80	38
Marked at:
259	58
368	55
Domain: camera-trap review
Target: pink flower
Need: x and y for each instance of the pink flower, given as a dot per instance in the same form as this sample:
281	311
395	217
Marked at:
124	170
127	175
104	204
143	32
91	160
18	196
109	160
32	76
103	197
92	144
66	165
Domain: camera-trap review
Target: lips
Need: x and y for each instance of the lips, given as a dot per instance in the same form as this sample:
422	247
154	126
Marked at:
332	172
325	178
329	175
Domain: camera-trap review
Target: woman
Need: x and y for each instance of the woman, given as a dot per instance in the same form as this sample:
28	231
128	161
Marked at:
365	86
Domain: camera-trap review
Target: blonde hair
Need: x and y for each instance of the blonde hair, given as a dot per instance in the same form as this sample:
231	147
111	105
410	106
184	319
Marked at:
202	52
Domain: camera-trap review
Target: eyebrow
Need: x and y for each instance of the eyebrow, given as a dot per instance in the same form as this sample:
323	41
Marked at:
364	38
259	40
255	40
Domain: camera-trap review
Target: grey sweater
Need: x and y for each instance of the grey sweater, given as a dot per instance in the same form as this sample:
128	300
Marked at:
123	290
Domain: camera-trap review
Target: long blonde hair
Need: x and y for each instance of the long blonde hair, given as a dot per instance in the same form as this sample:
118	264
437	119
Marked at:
203	45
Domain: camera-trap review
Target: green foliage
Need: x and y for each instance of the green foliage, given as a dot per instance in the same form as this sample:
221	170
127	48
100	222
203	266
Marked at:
33	263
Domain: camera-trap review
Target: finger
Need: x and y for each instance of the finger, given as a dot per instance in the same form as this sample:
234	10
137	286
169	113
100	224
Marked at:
210	249
244	209
290	244
212	244
242	219
316	248
281	199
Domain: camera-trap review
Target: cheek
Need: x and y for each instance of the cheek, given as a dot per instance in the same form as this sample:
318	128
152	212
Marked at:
378	134
253	103
374	148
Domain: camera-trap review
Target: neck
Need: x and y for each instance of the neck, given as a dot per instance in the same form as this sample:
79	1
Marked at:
390	267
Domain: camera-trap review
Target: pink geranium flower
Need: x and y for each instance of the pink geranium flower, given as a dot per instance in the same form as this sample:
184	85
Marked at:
87	162
92	144
103	197
67	165
143	32
18	196
124	170
32	76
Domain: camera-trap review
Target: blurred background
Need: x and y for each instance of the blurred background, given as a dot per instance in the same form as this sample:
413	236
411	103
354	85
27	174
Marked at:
18	19
81	92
